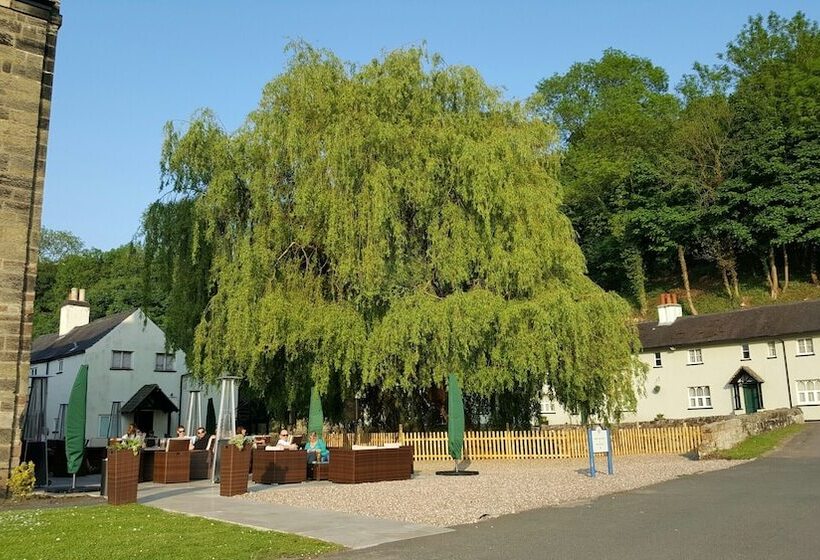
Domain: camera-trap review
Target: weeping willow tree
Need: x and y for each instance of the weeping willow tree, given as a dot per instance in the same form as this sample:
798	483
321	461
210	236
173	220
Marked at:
378	228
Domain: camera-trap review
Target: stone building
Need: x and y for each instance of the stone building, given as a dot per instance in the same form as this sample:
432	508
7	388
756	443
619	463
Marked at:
28	38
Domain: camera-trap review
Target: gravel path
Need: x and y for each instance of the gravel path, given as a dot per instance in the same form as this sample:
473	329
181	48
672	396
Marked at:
502	487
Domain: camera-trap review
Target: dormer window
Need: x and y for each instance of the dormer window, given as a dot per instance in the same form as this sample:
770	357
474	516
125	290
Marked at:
695	356
121	359
745	352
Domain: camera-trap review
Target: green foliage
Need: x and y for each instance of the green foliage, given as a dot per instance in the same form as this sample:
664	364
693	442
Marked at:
113	282
81	533
755	446
239	441
131	444
383	227
22	480
55	245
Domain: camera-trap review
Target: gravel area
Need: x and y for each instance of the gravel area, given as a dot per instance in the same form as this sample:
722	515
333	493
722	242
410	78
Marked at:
502	487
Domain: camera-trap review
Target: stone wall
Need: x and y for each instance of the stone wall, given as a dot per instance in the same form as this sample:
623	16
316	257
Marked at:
28	37
725	434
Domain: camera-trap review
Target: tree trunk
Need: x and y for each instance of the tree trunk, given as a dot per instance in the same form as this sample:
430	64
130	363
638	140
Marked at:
813	260
636	276
735	283
785	269
685	273
774	287
725	277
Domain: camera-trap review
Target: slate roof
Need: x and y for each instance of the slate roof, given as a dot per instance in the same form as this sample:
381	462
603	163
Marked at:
768	321
76	341
149	397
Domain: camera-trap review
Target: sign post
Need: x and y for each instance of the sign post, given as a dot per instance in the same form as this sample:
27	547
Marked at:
599	441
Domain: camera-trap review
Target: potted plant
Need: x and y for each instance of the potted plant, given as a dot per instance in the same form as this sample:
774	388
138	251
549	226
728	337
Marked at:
123	471
234	466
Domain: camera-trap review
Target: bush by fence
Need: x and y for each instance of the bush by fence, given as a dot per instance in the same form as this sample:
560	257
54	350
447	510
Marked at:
549	444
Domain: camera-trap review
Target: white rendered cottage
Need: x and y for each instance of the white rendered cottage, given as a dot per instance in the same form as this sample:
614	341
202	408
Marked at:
131	376
718	364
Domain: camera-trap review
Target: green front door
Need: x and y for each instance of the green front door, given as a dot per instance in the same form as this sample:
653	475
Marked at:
750	398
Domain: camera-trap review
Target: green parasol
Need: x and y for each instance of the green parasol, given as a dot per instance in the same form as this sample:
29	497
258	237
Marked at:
75	422
316	419
455	419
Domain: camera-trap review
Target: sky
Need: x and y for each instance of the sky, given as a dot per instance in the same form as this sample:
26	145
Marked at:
124	69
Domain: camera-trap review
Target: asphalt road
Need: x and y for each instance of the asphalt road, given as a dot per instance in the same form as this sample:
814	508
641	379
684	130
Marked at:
765	509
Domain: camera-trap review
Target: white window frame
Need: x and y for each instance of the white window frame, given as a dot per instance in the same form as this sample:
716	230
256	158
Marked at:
745	351
808	392
807	347
161	360
118	360
657	360
548	406
772	349
694	356
700	397
103	418
58	367
32	372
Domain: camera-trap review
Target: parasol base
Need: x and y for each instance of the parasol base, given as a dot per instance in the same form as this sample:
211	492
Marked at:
456	473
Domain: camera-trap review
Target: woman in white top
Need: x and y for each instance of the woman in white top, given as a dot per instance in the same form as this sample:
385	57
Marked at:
284	441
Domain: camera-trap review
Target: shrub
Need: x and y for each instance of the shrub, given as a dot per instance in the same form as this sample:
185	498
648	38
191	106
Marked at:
21	482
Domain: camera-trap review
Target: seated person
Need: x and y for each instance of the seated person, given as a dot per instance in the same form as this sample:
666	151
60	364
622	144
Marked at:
316	449
200	442
131	432
284	441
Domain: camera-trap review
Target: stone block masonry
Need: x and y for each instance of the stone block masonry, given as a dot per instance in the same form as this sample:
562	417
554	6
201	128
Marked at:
725	434
28	40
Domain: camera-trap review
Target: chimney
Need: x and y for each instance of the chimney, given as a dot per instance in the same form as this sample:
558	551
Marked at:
74	312
669	309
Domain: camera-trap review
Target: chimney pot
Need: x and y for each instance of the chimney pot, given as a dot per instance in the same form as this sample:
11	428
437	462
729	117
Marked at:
82	294
72	295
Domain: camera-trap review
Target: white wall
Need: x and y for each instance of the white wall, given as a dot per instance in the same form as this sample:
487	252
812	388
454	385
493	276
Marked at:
720	363
105	385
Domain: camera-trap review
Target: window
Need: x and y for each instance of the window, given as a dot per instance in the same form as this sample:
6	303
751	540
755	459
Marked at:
120	359
32	372
58	367
695	356
700	397
772	349
547	406
658	360
805	346
59	428
164	362
745	352
105	421
808	392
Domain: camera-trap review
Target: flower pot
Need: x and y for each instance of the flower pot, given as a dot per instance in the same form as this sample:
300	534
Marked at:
233	470
123	476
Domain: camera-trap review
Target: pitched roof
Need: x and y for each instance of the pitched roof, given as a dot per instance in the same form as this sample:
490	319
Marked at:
769	321
76	341
149	397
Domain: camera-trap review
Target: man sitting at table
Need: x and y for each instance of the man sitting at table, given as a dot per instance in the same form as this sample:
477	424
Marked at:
316	449
200	442
284	441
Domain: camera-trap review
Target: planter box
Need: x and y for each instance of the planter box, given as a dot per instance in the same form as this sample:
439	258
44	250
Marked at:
123	475
233	470
349	466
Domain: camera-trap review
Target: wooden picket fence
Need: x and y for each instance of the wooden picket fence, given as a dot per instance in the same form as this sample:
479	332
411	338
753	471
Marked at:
567	443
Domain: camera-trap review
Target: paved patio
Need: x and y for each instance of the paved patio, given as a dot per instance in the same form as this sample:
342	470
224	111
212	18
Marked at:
201	498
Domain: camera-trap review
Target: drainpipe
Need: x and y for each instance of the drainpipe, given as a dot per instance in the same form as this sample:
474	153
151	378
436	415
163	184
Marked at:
179	414
786	365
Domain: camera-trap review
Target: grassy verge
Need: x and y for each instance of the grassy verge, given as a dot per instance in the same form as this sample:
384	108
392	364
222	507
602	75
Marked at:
755	446
140	532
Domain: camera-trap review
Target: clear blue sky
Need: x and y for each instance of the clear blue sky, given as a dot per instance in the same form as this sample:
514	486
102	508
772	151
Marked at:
125	68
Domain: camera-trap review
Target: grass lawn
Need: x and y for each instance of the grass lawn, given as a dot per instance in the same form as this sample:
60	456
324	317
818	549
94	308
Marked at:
761	443
139	532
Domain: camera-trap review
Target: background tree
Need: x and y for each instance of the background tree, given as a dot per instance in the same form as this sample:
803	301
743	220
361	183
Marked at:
616	118
382	227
